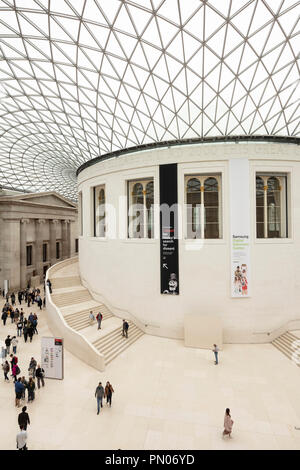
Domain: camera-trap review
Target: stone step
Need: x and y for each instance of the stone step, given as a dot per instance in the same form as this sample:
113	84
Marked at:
117	332
86	312
285	341
58	283
279	344
290	335
71	298
284	344
125	346
81	323
115	340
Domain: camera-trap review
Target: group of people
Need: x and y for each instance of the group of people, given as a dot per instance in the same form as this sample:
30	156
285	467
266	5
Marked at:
21	384
99	318
29	297
102	393
25	326
24	383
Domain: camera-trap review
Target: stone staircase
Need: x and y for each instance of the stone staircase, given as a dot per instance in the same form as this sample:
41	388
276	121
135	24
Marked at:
80	320
75	303
113	344
70	298
284	344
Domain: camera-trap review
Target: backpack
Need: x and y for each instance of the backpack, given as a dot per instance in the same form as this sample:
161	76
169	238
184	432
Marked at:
18	370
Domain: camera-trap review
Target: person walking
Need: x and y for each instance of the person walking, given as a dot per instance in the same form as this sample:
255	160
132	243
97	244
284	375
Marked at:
15	372
7	344
91	318
216	352
108	393
34	325
31	389
99	394
32	367
4	317
125	328
25	383
17	314
13	360
25	332
19	388
99	320
228	423
23	419
14	343
19	328
30	331
22	439
5	368
40	374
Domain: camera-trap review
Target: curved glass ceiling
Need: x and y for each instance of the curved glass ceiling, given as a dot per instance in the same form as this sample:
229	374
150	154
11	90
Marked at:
82	78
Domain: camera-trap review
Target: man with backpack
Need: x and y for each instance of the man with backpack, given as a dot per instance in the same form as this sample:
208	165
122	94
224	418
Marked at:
99	320
125	328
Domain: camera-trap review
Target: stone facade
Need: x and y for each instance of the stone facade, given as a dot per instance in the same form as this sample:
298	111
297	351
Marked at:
36	231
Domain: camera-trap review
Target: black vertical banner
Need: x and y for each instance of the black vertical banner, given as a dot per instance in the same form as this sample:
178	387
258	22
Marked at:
169	270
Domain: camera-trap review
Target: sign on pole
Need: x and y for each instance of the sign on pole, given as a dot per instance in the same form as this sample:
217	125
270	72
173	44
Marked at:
53	358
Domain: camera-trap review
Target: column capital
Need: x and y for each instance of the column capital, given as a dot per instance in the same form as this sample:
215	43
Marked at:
24	221
54	221
40	221
66	221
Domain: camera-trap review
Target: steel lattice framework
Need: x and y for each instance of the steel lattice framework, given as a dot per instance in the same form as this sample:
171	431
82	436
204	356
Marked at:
83	78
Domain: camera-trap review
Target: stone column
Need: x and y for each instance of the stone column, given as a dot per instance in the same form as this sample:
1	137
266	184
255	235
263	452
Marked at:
23	240
39	247
64	238
53	224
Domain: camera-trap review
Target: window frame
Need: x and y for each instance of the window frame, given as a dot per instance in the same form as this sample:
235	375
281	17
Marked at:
45	244
95	189
144	181
29	257
285	206
58	244
202	176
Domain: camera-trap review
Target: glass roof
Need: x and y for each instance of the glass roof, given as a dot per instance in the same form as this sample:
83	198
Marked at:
82	78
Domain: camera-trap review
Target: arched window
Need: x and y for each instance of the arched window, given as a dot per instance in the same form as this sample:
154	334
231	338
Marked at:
259	207
193	199
141	204
274	208
99	211
271	206
211	206
203	206
150	208
80	213
138	210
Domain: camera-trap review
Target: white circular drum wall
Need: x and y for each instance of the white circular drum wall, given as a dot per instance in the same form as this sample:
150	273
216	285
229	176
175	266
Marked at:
126	273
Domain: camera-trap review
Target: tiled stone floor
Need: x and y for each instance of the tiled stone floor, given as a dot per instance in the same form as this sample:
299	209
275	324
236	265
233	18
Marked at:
166	397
